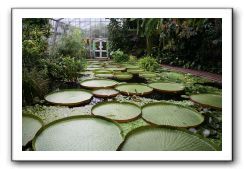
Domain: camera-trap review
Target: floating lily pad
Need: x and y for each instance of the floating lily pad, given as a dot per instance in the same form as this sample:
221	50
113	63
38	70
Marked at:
105	93
208	100
123	76
147	75
121	112
167	87
131	66
135	71
69	97
171	115
174	76
30	125
104	75
79	133
134	89
116	68
102	71
92	68
149	138
98	83
94	65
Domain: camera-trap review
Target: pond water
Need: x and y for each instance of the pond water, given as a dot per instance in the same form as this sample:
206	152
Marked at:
211	128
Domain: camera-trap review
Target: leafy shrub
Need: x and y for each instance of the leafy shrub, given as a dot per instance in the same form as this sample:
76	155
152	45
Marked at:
64	68
119	56
34	84
70	44
132	59
148	63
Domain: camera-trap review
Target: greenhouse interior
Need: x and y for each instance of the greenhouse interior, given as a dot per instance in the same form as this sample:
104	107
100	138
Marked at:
121	84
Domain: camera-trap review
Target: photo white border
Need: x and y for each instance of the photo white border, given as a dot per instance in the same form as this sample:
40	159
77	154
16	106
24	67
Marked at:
19	155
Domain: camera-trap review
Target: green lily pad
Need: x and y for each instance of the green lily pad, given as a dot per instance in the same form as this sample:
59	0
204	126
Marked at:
174	76
167	87
69	97
101	71
92	68
105	93
147	75
123	76
116	68
171	115
128	66
134	89
118	111
30	125
104	75
98	83
208	100
135	71
149	138
79	133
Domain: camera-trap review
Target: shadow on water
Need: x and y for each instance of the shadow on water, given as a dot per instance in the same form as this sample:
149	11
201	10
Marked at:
168	96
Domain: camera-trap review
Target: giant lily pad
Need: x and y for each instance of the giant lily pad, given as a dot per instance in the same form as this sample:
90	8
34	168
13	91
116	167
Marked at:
128	66
208	100
121	112
105	93
98	83
69	97
102	71
116	68
171	115
30	125
174	76
104	75
147	75
79	133
135	71
92	68
149	138
123	76
134	89
167	87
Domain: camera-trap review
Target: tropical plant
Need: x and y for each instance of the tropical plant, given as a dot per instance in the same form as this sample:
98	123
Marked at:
148	63
34	85
119	56
132	59
71	43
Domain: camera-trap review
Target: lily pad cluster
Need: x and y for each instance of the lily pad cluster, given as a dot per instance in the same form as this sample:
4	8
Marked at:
166	123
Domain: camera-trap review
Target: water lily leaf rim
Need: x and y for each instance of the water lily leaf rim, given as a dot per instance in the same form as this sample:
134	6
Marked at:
117	102
131	94
205	105
97	78
172	104
70	118
167	91
142	128
105	96
69	104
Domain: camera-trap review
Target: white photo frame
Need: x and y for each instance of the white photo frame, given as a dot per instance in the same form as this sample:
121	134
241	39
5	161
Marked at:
19	155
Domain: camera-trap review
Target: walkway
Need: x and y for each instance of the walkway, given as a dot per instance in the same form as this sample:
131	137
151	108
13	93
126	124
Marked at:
210	76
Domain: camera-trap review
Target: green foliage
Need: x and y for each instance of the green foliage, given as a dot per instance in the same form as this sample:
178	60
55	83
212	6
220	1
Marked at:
118	35
119	56
64	68
35	33
132	59
34	84
71	44
148	63
194	43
